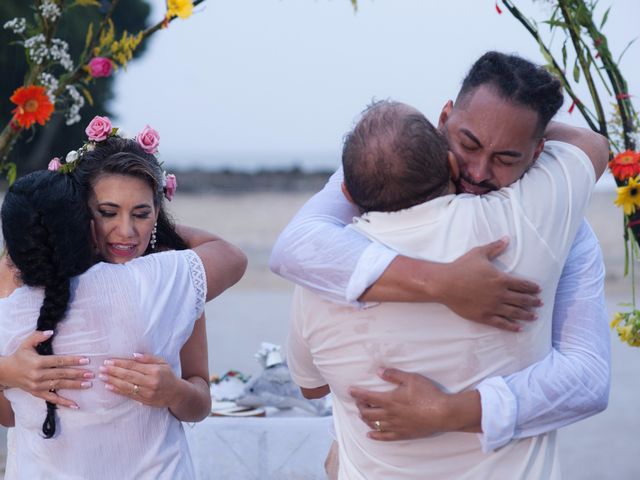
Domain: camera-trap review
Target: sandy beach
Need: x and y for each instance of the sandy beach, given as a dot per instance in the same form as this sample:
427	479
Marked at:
257	308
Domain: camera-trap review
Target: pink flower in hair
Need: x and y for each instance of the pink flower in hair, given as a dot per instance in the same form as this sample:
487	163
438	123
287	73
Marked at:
100	67
98	129
170	187
149	140
54	164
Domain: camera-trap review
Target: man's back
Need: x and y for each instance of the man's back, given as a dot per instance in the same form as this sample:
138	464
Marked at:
345	347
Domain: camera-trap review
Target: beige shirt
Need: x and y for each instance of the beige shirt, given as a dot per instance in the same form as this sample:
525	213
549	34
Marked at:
344	347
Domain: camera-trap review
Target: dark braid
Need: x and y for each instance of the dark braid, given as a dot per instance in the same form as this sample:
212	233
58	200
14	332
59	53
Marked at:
519	80
45	223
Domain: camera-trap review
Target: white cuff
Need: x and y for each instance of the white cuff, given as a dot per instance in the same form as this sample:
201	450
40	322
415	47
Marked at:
371	265
499	413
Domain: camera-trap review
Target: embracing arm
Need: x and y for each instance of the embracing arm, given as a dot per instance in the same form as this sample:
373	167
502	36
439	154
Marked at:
317	252
572	382
569	384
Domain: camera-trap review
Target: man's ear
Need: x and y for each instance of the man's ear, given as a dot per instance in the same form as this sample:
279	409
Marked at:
444	114
539	149
346	193
453	166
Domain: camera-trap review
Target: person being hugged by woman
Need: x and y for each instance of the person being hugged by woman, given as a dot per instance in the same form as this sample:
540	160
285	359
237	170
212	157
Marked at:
149	304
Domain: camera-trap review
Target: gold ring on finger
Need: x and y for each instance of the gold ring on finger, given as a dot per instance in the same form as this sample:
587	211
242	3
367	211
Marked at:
377	426
136	389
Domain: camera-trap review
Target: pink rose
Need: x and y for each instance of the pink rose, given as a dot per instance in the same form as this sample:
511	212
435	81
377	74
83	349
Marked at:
171	184
54	164
98	129
100	67
149	139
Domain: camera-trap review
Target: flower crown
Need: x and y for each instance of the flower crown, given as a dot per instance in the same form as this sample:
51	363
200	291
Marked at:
98	130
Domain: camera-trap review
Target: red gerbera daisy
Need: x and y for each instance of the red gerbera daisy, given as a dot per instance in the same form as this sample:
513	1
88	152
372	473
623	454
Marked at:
625	165
33	105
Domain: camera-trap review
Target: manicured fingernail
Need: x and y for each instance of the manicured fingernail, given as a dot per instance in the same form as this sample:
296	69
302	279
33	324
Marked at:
103	377
83	361
109	362
137	355
88	375
74	407
47	333
109	387
103	369
86	384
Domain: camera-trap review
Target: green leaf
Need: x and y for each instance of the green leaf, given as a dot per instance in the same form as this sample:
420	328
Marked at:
576	72
626	48
564	54
87	40
12	172
605	17
87	95
556	23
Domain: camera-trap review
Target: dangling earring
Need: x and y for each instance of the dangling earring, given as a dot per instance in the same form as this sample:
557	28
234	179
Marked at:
153	236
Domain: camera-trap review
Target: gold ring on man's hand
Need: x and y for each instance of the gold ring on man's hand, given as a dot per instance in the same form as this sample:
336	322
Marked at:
136	389
377	426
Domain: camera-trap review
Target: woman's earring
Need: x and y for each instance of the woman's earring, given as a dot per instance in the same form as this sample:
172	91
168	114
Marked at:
153	236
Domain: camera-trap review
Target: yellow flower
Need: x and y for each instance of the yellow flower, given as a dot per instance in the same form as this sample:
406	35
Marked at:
179	8
629	196
625	333
616	320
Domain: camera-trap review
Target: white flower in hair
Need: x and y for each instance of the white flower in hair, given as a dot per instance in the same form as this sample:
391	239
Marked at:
71	157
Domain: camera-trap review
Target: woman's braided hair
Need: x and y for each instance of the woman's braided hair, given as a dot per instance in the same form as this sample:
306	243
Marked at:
46	228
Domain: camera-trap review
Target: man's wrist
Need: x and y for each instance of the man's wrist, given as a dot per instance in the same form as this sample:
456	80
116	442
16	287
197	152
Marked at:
464	412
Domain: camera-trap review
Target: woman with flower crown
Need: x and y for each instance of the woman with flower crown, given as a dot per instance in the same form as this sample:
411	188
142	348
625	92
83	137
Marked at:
119	176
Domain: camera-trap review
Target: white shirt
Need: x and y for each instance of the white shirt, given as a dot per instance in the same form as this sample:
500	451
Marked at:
147	305
343	346
571	383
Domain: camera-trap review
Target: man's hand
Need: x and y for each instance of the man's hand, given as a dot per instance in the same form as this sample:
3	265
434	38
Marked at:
40	374
472	287
417	408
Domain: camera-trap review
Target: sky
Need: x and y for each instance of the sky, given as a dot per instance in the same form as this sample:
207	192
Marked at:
249	84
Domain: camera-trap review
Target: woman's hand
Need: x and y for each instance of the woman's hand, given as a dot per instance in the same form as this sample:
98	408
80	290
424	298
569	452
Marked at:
39	374
145	378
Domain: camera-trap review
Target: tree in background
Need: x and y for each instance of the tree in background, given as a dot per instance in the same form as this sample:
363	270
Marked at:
58	61
583	55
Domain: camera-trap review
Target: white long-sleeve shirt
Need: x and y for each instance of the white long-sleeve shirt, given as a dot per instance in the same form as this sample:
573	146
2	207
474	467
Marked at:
569	384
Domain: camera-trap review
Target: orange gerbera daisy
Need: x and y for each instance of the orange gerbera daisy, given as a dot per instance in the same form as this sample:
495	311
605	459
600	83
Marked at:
33	105
625	165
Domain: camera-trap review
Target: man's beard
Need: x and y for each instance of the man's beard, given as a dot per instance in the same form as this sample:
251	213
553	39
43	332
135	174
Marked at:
464	185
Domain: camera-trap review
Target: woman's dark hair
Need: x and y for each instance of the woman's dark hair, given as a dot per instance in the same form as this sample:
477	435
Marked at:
122	156
46	228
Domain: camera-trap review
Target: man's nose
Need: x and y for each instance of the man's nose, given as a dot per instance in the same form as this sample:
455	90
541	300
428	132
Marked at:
479	170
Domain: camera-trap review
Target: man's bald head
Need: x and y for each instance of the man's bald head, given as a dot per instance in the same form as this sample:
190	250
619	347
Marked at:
394	159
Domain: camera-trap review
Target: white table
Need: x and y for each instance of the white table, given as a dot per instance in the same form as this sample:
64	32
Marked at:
273	447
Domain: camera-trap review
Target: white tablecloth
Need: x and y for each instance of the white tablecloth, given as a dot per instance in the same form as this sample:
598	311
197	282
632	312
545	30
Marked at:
260	448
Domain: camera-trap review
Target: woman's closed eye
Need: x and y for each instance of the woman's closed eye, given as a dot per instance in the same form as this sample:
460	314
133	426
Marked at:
106	213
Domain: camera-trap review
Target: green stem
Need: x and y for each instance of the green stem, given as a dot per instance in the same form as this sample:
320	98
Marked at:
572	27
558	70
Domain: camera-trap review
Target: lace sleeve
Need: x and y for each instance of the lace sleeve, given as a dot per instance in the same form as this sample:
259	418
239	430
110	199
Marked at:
199	280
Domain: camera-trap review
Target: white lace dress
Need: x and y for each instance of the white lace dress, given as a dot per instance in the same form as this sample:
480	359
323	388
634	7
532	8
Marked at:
147	305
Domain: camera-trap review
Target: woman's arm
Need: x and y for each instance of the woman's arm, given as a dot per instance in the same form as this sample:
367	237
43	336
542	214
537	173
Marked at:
188	398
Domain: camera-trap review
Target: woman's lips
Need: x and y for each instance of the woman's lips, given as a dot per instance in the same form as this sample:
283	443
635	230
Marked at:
122	249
